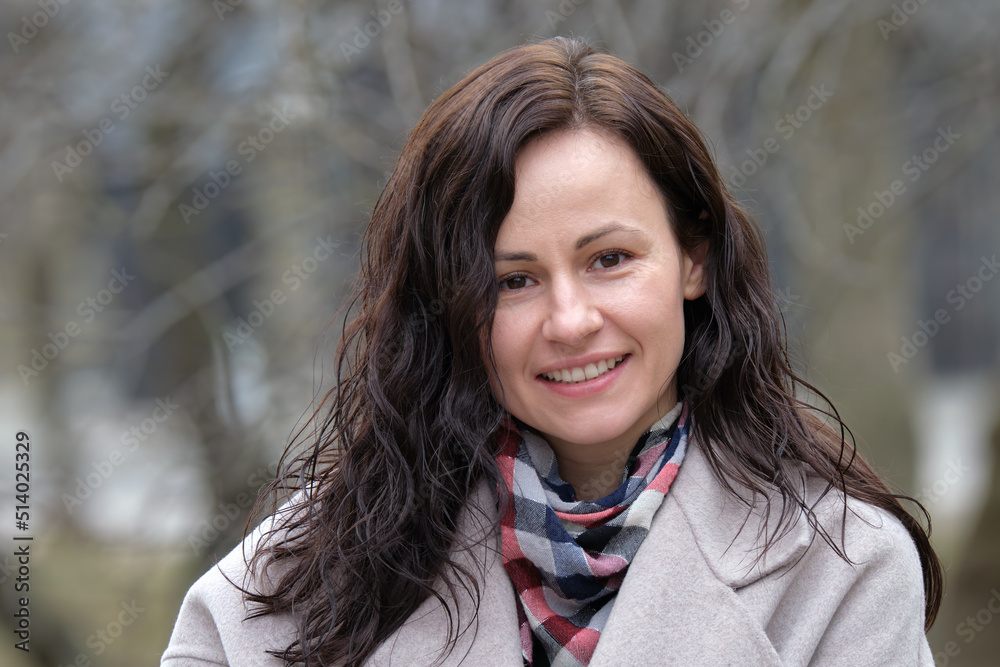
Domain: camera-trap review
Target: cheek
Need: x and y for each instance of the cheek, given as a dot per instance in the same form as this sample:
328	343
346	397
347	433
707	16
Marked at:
503	339
654	316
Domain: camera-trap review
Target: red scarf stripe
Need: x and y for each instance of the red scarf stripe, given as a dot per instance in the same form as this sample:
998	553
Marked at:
665	478
592	519
606	565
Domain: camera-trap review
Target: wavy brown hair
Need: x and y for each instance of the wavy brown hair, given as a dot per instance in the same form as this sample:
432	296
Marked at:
410	430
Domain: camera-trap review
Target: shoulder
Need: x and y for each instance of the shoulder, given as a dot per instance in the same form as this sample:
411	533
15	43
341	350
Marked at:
815	604
870	607
872	537
882	572
212	626
731	527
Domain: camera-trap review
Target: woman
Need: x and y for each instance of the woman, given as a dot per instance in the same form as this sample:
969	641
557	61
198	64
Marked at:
565	430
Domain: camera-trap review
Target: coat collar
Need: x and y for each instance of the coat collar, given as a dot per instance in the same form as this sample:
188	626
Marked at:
677	600
728	532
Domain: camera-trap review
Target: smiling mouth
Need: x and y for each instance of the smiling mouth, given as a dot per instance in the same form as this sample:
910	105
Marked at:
584	373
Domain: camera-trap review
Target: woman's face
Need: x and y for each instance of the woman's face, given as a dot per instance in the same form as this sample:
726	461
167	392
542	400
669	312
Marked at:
589	328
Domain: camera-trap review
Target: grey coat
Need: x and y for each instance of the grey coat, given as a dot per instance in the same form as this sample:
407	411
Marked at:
690	596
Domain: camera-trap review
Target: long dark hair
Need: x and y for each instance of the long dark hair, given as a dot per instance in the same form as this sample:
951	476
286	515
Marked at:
411	428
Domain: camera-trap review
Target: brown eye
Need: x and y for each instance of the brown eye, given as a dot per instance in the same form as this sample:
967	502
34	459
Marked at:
514	282
610	260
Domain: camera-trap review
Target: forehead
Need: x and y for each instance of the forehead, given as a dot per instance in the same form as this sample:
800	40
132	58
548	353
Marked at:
576	180
565	157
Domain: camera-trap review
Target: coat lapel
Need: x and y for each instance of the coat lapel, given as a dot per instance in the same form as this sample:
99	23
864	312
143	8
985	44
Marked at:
677	604
716	518
671	608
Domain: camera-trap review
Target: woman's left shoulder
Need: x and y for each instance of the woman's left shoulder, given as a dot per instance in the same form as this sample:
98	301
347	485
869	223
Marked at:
732	526
880	551
814	604
870	531
872	601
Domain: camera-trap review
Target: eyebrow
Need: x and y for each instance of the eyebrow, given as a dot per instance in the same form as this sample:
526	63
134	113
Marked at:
581	243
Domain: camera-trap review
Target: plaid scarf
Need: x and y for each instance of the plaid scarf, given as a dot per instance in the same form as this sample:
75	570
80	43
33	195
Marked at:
567	557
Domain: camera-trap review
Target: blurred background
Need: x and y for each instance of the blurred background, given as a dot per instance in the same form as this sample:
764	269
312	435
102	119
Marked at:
183	186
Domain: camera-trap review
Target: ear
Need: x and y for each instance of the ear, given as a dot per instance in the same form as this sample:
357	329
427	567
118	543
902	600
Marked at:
693	277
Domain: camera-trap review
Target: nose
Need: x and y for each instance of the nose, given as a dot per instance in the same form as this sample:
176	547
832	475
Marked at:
573	314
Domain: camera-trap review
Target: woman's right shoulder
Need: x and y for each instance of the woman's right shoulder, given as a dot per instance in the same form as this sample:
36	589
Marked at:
212	626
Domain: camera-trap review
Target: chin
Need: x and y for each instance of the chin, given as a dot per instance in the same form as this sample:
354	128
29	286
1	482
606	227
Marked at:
586	433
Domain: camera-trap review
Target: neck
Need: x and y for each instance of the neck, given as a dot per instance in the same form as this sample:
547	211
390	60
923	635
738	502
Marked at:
594	474
595	470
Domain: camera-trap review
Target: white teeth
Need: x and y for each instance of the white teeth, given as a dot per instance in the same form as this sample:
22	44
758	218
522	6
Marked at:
588	372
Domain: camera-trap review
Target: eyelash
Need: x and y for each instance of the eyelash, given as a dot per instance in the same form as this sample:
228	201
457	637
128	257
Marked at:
604	253
613	251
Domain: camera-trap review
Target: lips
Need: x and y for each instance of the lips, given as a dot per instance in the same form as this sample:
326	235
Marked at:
578	374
